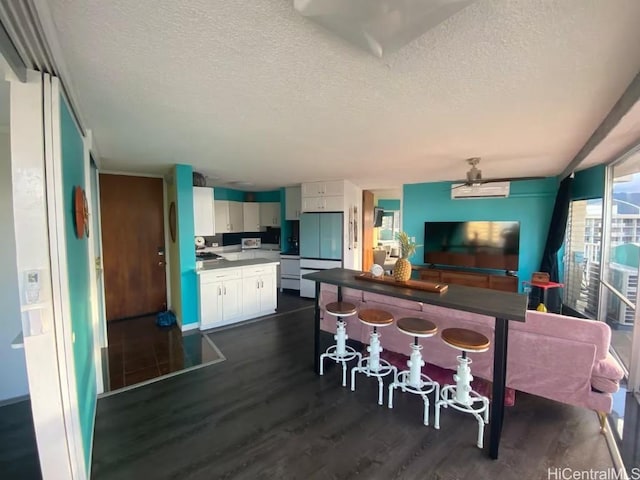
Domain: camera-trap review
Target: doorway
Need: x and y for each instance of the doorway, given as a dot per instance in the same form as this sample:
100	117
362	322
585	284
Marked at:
132	215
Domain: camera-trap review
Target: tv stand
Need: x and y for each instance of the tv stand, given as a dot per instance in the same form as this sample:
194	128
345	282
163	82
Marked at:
507	282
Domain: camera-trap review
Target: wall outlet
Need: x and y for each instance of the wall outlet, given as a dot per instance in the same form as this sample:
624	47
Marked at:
214	244
413	239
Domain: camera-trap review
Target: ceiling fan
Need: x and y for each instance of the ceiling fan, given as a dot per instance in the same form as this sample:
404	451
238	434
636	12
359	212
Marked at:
474	176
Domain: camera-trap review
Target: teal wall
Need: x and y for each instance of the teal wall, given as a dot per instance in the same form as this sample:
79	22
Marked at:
184	215
73	174
221	193
588	183
271	196
389	204
530	203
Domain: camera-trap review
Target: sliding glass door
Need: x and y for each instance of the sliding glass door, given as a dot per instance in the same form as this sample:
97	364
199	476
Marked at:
621	257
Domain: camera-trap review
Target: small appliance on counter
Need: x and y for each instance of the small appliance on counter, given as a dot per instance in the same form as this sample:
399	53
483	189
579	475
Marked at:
249	243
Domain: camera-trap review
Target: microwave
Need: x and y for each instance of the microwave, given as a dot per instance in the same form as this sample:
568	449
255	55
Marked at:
248	243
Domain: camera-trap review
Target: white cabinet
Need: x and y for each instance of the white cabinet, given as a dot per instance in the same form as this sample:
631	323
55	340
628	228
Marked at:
203	216
323	204
229	295
270	214
229	216
323	196
259	289
293	203
313	189
270	255
220	297
251	216
236	217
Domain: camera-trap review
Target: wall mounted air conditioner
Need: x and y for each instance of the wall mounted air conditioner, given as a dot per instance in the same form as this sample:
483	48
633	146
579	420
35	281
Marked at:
485	190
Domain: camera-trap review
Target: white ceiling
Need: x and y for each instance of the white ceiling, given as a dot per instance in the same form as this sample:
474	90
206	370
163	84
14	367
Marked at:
252	91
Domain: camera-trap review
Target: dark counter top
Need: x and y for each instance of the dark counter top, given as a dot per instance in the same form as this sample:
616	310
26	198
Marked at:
494	303
218	264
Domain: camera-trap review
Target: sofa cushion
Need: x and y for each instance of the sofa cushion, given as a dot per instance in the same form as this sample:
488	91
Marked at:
604	384
606	375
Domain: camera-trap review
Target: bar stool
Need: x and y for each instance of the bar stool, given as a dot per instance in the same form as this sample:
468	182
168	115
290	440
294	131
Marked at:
413	380
373	365
462	396
340	352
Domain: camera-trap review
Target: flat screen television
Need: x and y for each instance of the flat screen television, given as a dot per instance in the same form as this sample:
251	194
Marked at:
487	245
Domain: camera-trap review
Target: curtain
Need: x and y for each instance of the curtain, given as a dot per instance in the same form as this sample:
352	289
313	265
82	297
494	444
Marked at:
555	239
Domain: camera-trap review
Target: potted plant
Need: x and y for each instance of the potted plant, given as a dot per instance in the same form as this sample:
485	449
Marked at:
402	268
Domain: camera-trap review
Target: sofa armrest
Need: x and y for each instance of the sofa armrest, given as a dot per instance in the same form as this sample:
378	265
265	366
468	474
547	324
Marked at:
575	329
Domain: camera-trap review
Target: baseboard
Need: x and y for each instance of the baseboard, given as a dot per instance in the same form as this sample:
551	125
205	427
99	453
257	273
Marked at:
189	326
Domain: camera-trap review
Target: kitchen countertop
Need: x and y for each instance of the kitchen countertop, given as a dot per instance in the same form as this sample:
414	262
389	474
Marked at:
219	264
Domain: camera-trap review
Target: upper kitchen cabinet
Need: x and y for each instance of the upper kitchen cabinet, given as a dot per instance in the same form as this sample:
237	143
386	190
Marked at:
315	189
251	216
323	196
203	212
270	214
229	216
293	203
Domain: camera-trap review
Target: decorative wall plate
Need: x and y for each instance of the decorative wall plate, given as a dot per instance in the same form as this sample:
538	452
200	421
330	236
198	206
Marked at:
172	221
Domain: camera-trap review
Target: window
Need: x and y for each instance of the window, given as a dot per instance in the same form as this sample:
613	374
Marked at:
390	225
582	257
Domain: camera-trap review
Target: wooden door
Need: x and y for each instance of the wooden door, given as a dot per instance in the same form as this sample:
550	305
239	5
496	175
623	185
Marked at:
132	217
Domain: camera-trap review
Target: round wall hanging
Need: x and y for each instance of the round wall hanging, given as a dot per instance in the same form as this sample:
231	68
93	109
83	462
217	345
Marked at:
172	221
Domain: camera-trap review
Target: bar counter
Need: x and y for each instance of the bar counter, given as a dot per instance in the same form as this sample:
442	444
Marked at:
503	306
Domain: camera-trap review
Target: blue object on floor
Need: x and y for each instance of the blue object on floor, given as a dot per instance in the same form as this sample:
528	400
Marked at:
166	319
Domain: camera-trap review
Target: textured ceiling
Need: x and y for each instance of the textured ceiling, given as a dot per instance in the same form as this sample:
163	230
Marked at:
252	91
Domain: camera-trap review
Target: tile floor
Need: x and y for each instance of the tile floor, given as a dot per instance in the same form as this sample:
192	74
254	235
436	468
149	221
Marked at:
140	351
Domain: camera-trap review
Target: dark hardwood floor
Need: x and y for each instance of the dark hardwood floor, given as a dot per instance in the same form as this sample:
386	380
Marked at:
263	413
18	449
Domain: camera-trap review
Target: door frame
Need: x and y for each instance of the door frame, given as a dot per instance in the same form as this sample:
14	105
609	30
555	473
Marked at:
167	240
37	218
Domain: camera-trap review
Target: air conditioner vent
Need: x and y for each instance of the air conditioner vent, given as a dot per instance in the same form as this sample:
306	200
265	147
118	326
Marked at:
485	190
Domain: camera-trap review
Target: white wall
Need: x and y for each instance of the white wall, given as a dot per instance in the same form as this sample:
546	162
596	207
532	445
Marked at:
13	373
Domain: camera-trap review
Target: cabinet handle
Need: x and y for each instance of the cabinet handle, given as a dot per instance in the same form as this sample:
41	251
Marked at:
257	283
225	290
261	284
219	291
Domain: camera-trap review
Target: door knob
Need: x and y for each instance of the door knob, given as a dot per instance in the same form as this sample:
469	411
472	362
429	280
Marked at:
161	264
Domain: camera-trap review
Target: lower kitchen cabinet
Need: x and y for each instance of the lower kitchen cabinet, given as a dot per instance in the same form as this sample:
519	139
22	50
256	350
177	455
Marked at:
229	295
259	290
220	297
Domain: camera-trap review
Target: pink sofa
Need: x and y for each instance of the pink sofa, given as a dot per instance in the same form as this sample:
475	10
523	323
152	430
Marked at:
557	357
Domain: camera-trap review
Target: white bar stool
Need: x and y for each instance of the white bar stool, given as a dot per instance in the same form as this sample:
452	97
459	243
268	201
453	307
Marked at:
373	365
413	380
462	396
340	352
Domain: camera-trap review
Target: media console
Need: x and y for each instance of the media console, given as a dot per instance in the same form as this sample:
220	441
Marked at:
505	283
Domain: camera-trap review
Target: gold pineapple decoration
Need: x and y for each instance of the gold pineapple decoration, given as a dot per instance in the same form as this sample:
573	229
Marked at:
402	268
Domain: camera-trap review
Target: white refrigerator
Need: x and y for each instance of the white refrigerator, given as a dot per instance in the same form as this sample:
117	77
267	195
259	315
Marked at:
321	246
